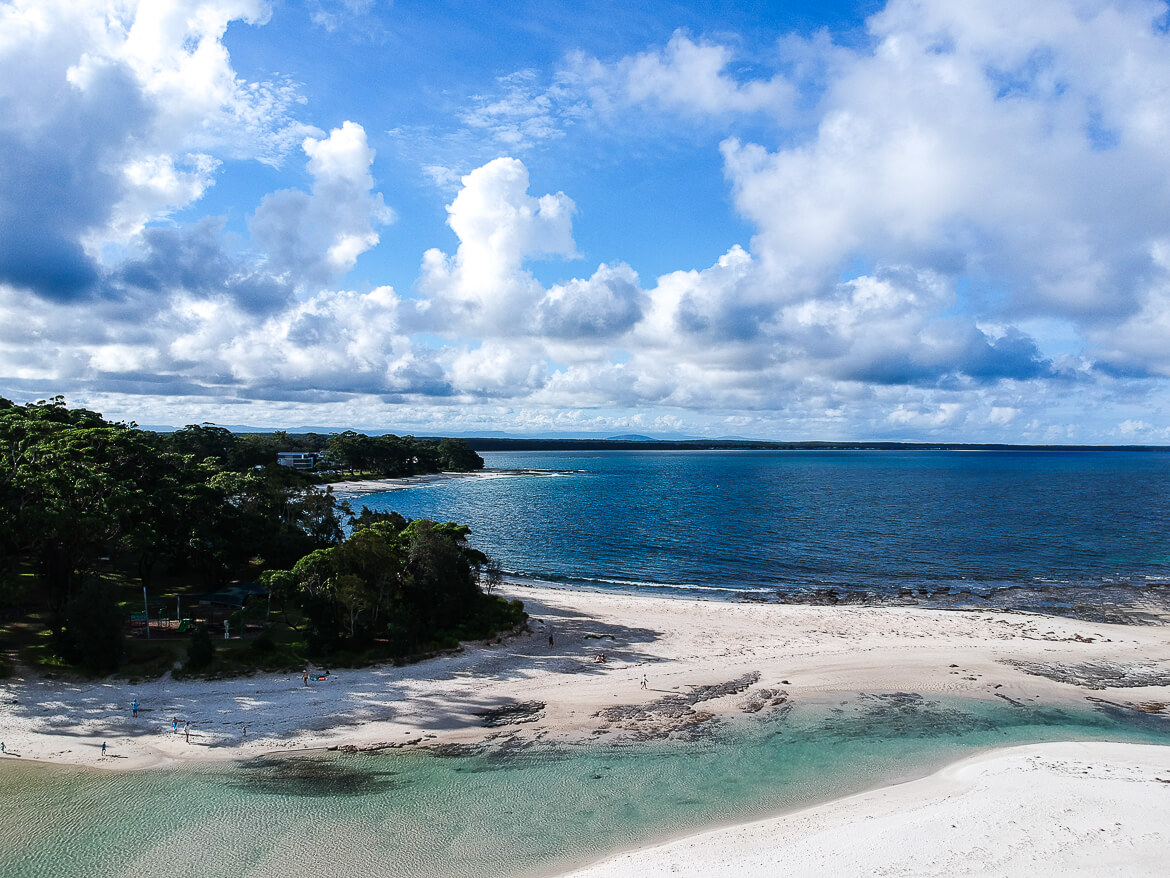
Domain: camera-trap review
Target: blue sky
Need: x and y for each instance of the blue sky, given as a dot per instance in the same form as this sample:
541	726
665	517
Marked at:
906	220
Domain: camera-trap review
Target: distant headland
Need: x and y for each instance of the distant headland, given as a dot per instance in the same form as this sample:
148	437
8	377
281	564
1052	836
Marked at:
643	443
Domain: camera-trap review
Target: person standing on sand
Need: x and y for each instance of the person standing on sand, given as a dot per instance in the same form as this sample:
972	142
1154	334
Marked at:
174	724
103	748
187	731
134	707
305	676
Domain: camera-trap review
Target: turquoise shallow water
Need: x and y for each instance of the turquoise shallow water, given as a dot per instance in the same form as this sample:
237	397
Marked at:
498	812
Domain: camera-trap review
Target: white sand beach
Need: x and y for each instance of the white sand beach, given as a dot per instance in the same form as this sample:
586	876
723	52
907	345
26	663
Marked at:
361	487
354	490
1040	810
772	653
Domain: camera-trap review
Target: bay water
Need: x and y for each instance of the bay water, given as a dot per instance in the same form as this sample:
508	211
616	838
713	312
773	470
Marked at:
792	523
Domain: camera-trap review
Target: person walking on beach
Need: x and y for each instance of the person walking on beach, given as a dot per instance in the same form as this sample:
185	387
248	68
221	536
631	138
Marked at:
643	684
103	748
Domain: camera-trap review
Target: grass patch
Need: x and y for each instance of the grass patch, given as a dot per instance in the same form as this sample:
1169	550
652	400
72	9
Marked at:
270	642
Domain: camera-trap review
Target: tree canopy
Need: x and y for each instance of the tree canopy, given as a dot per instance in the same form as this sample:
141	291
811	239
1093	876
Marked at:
82	498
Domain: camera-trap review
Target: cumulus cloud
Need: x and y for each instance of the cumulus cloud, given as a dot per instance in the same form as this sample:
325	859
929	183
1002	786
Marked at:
117	115
687	76
527	109
990	168
962	229
605	305
345	342
890	330
1016	147
114	113
337	342
1012	157
312	238
192	261
484	287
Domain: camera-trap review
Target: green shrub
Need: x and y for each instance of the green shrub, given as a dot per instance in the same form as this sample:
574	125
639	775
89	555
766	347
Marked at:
264	642
201	651
92	635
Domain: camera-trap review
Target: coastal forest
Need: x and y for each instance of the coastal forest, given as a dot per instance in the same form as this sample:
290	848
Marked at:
193	551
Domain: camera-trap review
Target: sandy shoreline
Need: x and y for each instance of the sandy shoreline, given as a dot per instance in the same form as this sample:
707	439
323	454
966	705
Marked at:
346	490
1042	809
361	487
746	654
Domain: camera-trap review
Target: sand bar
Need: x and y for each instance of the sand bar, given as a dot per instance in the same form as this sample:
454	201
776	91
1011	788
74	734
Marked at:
531	689
358	488
806	652
361	487
1039	810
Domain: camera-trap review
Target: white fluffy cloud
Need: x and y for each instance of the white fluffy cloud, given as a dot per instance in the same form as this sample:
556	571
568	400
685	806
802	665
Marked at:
602	306
484	288
962	229
116	114
1018	147
336	342
686	75
316	237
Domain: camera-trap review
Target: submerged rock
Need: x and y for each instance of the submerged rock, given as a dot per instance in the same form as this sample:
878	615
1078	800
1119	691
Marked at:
509	714
675	714
1096	675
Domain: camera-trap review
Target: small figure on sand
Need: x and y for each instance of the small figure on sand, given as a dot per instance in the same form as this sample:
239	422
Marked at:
103	748
187	731
134	707
643	683
305	676
1	747
174	724
600	658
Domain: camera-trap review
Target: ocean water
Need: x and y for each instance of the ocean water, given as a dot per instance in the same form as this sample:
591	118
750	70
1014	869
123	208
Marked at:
792	523
500	812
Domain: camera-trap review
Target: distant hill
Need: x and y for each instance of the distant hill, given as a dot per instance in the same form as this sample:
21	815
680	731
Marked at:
432	433
499	440
619	443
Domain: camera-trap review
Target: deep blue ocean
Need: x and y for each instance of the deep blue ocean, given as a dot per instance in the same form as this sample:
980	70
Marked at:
770	524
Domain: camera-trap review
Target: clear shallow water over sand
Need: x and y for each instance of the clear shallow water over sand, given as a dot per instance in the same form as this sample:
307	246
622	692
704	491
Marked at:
795	522
499	812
